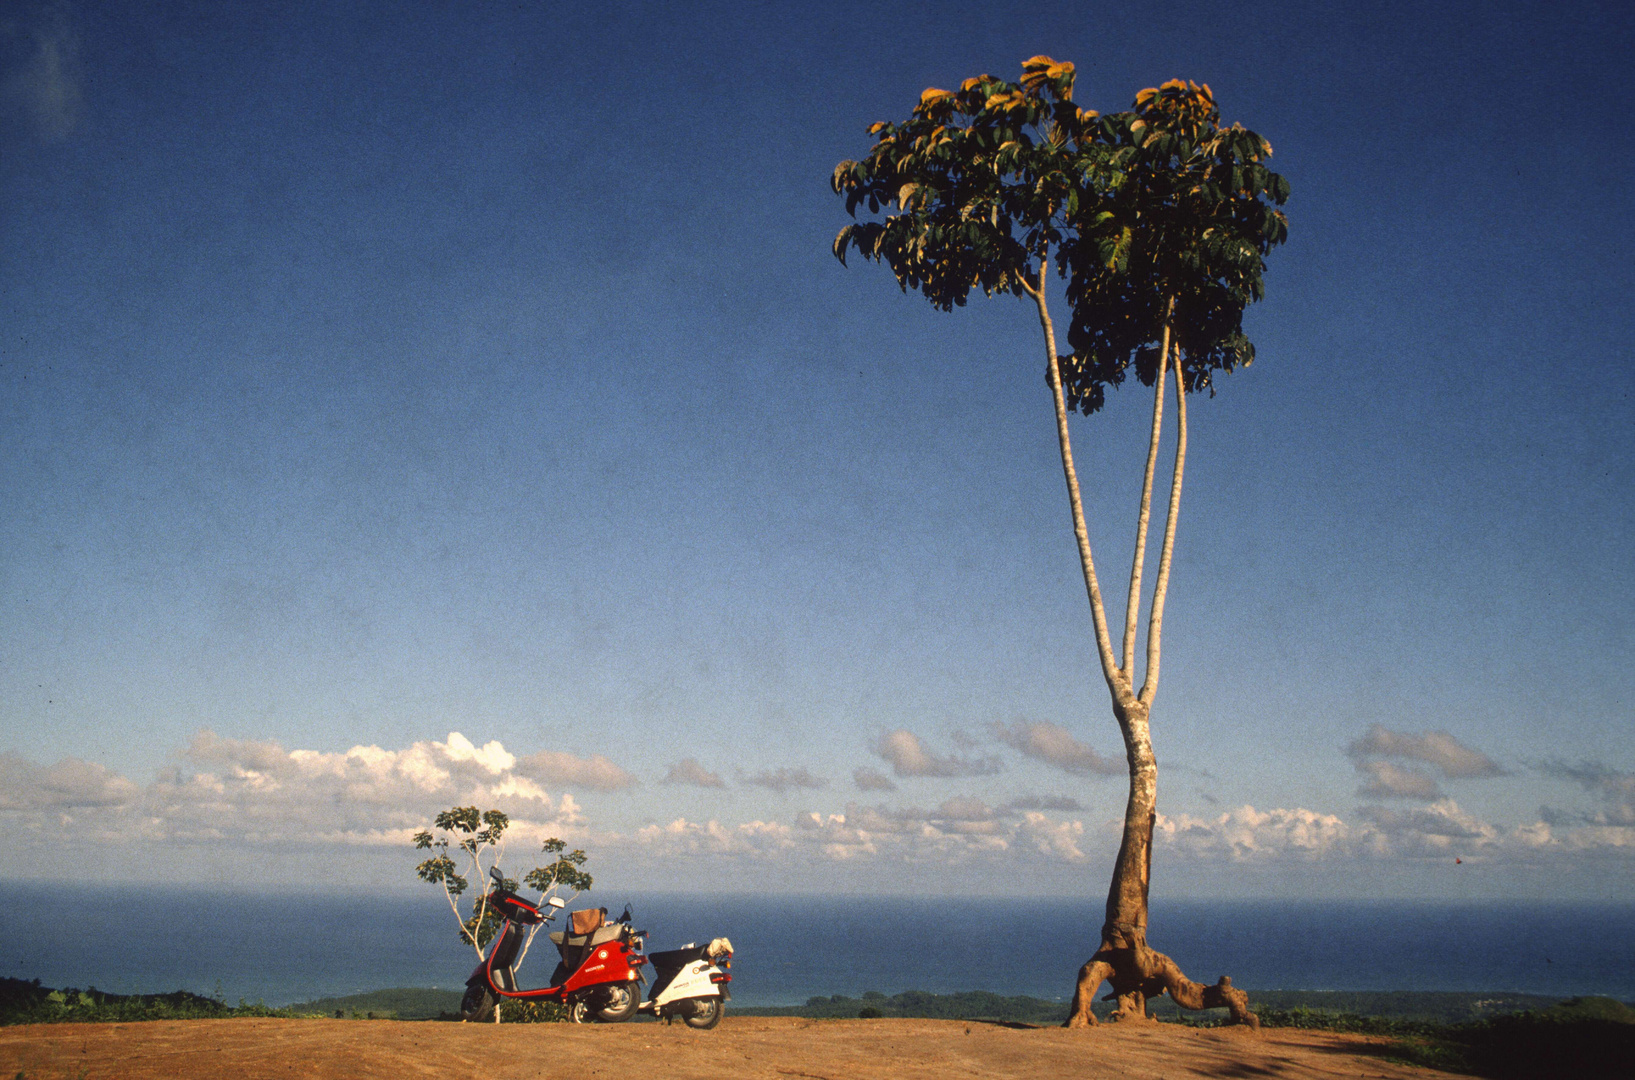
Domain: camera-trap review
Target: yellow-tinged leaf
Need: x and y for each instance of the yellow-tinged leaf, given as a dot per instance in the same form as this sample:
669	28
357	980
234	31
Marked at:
1037	62
931	93
875	127
904	193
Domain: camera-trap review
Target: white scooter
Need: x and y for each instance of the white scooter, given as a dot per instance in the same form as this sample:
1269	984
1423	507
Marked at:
691	982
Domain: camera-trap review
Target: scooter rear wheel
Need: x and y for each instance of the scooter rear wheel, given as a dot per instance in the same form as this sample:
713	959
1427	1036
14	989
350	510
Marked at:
477	1005
707	1013
618	1004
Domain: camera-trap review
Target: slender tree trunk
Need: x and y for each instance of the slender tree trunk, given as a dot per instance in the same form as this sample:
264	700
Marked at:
1136	971
1132	606
1117	681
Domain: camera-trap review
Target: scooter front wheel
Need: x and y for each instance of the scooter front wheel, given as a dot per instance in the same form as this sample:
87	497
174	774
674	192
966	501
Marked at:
707	1013
478	1004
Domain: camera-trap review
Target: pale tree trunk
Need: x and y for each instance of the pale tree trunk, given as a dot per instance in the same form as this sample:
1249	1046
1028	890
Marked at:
1124	959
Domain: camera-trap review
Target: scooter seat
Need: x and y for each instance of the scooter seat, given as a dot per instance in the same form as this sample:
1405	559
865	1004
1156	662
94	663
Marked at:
676	959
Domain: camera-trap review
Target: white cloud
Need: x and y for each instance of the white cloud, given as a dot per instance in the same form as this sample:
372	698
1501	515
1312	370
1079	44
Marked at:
1430	827
1438	749
1435	748
1055	745
1388	781
1056	838
490	756
1247	833
70	784
689	771
683	837
566	770
783	780
909	757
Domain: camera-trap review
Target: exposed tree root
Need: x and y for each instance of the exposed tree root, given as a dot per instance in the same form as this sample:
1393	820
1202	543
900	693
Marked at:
1138	973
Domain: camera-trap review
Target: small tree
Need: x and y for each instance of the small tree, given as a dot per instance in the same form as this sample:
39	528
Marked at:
479	836
1159	218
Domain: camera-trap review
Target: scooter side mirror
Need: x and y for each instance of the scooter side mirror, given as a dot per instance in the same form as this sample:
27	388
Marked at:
556	902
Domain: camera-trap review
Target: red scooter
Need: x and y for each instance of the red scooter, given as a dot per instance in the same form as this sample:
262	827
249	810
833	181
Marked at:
598	979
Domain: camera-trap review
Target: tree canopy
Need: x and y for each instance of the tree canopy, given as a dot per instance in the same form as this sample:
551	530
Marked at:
480	835
1157	216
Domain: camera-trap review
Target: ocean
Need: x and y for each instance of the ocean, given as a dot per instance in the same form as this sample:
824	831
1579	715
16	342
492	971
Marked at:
285	949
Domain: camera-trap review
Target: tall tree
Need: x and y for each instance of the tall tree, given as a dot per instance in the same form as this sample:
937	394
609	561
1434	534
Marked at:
1159	219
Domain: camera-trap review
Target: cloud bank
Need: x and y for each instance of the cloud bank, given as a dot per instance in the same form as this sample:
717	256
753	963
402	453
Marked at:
959	829
251	794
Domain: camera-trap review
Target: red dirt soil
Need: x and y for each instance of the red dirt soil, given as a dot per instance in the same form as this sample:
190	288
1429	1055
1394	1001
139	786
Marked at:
742	1047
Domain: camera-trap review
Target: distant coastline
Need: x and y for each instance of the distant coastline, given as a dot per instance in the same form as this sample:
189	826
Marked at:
295	949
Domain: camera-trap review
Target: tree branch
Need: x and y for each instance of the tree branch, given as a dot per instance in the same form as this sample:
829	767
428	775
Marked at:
453	906
1155	624
1132	607
1117	681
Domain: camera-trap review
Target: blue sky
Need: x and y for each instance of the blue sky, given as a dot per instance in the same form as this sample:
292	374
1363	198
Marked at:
377	372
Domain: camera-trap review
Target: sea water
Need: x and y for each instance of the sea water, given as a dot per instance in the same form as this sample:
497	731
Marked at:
286	948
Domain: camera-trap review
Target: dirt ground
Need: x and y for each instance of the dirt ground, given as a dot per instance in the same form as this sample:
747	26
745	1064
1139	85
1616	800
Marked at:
742	1047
